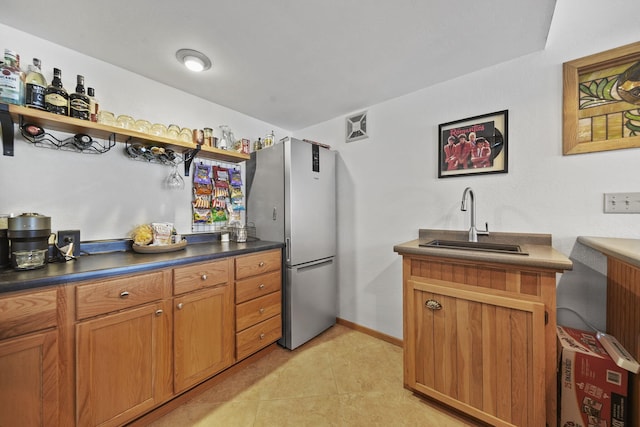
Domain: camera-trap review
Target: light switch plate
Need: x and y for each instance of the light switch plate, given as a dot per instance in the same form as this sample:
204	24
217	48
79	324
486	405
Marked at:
621	202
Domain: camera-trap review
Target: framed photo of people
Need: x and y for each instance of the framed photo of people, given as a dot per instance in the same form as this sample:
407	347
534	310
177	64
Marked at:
472	146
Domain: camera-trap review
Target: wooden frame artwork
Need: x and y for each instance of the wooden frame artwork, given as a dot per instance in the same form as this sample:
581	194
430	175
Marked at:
472	146
601	101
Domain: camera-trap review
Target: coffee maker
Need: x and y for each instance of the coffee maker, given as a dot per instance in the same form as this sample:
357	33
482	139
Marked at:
28	235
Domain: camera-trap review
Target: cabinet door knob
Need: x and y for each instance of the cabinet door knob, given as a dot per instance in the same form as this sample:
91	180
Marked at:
261	286
261	336
433	304
180	305
124	294
261	310
159	312
261	264
204	277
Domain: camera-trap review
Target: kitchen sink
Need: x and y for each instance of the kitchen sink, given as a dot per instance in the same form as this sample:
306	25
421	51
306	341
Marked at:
501	248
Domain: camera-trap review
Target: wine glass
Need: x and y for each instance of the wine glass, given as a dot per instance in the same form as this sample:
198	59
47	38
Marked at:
174	180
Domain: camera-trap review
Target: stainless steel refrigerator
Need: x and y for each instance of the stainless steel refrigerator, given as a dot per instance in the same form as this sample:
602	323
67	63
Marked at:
291	198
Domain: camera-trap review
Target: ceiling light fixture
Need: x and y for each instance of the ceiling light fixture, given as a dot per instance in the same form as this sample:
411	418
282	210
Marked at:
193	60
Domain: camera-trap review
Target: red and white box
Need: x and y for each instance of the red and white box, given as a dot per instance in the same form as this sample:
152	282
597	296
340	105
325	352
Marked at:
593	389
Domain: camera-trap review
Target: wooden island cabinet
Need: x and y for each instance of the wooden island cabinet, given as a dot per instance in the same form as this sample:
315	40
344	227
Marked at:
106	352
623	302
480	335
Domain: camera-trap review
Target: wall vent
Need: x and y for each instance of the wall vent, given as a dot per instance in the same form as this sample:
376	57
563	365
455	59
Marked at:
357	127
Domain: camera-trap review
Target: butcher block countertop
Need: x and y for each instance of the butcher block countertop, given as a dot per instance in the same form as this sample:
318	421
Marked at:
627	250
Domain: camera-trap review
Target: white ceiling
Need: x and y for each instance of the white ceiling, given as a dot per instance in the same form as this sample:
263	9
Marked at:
294	63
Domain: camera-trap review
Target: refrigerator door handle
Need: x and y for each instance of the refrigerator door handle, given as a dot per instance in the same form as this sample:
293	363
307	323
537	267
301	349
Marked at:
287	248
314	265
274	216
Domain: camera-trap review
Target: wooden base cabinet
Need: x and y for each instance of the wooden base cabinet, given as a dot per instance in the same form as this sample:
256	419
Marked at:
29	359
481	338
123	358
203	322
258	300
203	335
29	380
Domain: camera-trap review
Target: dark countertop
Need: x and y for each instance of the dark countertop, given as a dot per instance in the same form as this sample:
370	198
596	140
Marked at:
89	267
627	250
538	246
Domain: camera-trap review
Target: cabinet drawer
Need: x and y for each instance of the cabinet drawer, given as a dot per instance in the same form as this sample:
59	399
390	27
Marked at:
198	276
257	337
258	286
106	296
27	312
258	263
258	310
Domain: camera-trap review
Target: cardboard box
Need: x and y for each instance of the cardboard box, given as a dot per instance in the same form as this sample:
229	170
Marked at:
593	389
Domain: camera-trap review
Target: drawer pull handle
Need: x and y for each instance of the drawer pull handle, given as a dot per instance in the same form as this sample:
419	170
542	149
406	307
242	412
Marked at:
433	304
159	312
261	286
261	264
261	310
124	294
180	305
204	277
261	336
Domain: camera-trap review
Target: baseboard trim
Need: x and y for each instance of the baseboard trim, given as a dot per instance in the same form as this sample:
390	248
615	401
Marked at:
371	332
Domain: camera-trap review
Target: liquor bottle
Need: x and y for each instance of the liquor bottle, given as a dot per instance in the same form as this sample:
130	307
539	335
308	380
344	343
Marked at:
94	105
79	102
56	98
35	86
11	79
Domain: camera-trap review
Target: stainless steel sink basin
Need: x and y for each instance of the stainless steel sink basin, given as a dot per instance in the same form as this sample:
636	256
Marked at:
475	246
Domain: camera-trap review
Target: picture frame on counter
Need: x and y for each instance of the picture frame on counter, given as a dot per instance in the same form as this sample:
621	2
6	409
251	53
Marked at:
474	146
601	101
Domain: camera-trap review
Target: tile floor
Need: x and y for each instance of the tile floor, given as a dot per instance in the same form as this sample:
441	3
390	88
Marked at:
341	378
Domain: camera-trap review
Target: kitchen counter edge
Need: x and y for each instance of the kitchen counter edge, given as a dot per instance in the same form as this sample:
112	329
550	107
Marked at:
99	266
627	250
540	256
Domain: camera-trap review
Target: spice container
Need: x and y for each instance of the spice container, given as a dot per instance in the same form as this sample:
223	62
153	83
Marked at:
208	137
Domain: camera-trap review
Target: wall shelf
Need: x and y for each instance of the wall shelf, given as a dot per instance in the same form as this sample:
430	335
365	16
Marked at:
59	123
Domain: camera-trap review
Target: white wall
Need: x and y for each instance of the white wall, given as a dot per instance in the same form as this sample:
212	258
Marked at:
388	185
107	195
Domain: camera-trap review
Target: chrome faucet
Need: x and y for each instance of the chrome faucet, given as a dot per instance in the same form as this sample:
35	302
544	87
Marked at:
473	231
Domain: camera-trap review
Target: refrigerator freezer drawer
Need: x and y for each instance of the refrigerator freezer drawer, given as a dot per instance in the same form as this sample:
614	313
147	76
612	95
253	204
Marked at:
310	301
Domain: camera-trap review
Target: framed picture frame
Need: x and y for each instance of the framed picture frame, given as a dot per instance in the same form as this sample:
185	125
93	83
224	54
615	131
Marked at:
601	101
473	146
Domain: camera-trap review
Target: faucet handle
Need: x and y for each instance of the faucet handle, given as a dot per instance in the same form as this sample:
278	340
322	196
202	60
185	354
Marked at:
484	232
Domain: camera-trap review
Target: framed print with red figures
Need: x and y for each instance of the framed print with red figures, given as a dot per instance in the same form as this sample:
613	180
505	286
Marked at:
601	101
472	146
